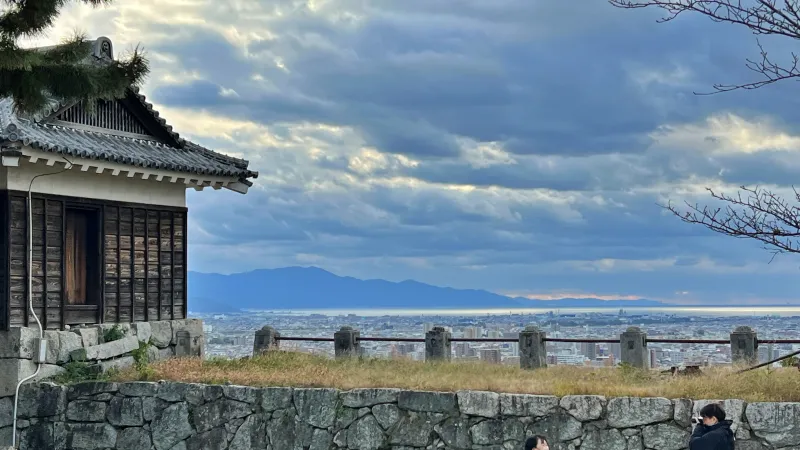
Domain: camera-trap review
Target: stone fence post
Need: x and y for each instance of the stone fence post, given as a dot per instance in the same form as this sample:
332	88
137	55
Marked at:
266	340
437	345
532	348
633	346
744	345
346	343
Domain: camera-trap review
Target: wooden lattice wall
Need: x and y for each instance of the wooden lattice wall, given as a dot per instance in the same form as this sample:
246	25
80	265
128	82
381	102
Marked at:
140	266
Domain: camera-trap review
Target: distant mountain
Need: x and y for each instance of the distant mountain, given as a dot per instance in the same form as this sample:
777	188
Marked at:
295	288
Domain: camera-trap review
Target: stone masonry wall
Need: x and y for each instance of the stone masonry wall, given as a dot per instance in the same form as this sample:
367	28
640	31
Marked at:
181	416
18	347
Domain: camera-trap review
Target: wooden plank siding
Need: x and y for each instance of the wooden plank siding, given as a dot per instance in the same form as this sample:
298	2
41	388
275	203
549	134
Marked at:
5	231
140	262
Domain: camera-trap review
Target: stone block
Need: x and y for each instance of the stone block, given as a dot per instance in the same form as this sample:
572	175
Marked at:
532	348
317	407
171	427
629	412
346	343
584	407
479	403
41	400
18	342
744	346
191	393
106	350
89	389
633	343
86	411
6	411
139	389
60	344
142	330
525	405
777	423
13	370
683	411
218	413
386	414
89	335
125	412
134	439
161	333
664	437
421	401
366	433
91	436
276	398
359	398
605	440
183	344
196	336
266	339
438	346
487	432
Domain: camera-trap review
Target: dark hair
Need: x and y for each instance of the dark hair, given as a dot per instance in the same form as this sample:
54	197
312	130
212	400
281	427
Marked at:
532	442
713	410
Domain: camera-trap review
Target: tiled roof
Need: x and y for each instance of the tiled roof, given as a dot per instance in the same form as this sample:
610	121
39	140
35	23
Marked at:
187	157
192	158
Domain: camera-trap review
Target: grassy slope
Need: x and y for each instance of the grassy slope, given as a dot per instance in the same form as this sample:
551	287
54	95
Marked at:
303	370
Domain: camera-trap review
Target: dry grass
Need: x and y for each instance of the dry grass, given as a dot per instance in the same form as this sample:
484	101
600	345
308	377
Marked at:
303	370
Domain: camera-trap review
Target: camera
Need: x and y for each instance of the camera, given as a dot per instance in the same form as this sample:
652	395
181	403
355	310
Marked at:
697	420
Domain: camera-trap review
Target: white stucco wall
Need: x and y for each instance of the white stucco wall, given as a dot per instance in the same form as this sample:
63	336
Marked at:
89	184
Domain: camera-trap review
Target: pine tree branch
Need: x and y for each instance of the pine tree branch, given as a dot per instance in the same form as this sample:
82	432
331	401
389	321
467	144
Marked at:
31	17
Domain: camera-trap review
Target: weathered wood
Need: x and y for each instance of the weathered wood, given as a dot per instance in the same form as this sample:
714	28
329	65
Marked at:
109	114
126	229
85	314
111	242
5	228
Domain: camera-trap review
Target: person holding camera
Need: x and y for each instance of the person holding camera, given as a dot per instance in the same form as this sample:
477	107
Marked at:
712	431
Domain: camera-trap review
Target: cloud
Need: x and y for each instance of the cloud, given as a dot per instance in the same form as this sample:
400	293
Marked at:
515	146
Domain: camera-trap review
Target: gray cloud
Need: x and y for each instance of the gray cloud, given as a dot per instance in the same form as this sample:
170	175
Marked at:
509	145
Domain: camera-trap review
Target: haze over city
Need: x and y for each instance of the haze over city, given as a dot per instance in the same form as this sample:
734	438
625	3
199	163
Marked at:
518	147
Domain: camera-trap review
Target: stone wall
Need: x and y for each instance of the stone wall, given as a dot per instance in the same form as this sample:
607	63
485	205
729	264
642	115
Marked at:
180	416
18	347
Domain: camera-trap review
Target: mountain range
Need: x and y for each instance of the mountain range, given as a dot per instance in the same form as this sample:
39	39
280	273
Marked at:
297	288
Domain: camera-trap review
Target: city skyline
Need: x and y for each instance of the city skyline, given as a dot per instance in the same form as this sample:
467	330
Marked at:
519	147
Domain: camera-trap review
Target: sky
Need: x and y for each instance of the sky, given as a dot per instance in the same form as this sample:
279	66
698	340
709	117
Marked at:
518	146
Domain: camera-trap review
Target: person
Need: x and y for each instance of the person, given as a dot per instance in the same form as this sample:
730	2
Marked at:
536	443
712	432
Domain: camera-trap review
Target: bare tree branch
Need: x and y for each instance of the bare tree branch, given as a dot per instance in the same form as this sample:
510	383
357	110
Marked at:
754	214
767	17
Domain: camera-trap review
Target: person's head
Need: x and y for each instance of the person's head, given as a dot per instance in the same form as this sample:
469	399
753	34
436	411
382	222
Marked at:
536	443
712	414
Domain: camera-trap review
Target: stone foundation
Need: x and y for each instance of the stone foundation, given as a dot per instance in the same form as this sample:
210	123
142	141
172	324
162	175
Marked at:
180	416
18	348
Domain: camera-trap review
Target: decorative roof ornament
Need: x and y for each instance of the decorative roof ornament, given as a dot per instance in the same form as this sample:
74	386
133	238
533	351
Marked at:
103	48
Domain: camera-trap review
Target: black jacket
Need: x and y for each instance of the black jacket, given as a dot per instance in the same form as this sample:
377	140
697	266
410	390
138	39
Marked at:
715	437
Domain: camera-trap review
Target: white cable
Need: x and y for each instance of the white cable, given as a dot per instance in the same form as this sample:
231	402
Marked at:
30	298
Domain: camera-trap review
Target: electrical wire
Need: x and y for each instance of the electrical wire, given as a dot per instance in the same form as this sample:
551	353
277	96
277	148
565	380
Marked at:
67	166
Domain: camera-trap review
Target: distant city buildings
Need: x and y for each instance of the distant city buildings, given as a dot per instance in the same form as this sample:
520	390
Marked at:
231	335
